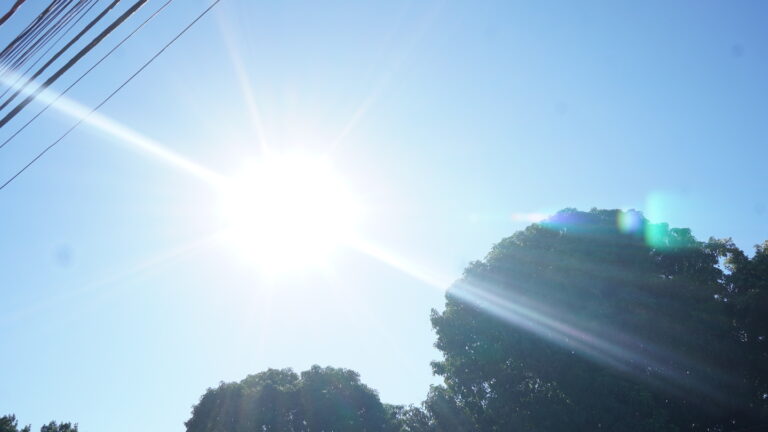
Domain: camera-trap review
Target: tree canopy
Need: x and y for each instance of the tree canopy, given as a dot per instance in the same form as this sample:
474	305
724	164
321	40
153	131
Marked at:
319	399
596	320
603	320
8	423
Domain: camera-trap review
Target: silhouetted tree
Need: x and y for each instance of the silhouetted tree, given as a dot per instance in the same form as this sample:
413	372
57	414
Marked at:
59	427
747	293
601	320
9	423
411	418
320	399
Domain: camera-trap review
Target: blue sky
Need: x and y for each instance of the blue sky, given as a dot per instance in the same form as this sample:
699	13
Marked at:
451	120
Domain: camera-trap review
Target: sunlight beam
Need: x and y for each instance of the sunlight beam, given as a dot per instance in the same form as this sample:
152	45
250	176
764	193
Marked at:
385	78
122	133
245	83
618	351
108	281
398	263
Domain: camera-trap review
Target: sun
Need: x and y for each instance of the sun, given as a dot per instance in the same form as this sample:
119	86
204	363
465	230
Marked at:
288	212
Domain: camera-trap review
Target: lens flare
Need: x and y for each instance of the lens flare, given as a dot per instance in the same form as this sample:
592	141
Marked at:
630	221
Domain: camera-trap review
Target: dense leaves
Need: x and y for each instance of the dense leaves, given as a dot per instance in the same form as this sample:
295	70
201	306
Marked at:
320	399
602	320
9	423
59	427
747	293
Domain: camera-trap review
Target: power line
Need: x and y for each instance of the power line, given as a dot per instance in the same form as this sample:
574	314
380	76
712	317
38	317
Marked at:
72	61
80	54
27	29
82	119
32	31
104	57
49	34
71	26
21	37
33	41
76	37
16	65
12	11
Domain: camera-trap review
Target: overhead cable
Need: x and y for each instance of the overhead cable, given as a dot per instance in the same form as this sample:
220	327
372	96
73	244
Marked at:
52	46
27	29
72	61
50	32
30	34
83	75
117	90
12	11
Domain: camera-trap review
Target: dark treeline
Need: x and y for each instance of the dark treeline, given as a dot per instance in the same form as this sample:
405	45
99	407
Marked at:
586	321
9	423
601	320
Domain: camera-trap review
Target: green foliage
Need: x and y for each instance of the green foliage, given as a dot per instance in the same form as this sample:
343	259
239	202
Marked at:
59	427
747	293
411	419
320	399
9	423
586	322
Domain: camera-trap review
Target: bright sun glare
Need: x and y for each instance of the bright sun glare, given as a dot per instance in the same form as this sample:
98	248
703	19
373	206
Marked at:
288	212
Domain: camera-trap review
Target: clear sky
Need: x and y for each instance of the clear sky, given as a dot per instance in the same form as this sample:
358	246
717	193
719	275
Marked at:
453	122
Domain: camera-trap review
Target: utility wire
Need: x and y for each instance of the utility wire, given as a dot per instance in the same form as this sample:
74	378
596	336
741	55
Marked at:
33	40
15	65
60	95
49	34
27	29
11	67
138	71
80	54
10	13
10	53
71	26
33	32
8	64
72	61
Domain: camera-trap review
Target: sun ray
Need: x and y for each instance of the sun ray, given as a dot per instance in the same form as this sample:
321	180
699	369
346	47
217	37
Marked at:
246	88
386	76
622	352
391	259
615	350
109	281
122	133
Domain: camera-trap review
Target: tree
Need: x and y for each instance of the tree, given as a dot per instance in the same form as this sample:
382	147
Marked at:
412	419
747	292
320	399
59	427
9	423
595	320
